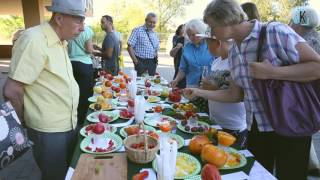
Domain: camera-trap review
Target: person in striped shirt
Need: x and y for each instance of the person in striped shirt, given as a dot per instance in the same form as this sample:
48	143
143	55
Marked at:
143	46
289	155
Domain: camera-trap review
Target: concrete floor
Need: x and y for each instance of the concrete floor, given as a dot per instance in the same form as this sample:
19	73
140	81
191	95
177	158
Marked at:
25	167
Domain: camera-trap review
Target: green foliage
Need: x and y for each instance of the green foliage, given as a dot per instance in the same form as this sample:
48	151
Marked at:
278	10
127	14
130	14
10	24
98	34
168	9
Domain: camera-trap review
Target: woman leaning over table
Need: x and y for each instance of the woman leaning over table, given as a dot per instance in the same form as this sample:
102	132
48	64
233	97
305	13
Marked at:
289	155
195	55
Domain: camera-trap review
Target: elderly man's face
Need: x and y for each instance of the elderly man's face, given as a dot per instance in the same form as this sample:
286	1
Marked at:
151	22
71	26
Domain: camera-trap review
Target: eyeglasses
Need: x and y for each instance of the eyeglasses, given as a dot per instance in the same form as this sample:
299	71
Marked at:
209	33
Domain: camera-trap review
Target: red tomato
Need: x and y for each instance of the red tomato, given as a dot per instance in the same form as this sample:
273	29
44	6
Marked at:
141	176
210	172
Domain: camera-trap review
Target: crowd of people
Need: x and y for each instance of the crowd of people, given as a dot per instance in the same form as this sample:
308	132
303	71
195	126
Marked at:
51	76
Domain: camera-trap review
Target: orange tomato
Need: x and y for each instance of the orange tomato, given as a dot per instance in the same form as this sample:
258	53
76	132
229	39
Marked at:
225	138
158	109
153	134
125	76
141	176
197	142
122	85
132	130
165	127
118	80
120	73
108	84
107	95
214	155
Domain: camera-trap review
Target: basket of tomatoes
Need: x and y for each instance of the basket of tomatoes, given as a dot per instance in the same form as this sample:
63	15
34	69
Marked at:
141	148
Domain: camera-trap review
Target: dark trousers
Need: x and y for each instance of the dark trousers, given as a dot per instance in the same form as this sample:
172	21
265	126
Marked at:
182	83
83	73
146	65
53	152
289	155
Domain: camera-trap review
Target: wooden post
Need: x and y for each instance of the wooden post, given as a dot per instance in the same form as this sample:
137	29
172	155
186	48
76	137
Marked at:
33	12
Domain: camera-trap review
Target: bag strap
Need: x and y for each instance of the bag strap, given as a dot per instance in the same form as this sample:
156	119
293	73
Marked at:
150	40
262	37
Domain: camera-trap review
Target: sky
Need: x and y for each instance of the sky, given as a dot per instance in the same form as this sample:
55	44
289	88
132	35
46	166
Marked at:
194	10
315	4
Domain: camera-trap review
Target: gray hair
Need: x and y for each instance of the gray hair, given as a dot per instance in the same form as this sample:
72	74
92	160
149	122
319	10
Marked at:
225	12
151	14
305	16
197	25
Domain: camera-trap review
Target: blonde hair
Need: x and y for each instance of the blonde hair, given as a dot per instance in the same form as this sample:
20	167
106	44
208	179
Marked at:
197	25
225	12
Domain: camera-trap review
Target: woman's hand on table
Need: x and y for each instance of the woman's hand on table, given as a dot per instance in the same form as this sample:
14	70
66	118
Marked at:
191	93
173	83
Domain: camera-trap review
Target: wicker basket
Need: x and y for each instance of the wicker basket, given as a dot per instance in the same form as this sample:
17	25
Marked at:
141	156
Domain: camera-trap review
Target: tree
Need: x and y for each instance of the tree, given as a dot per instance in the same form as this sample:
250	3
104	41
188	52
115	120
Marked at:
126	16
129	14
168	9
278	10
10	24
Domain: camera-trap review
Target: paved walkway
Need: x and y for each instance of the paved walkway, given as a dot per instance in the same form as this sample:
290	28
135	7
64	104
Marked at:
25	167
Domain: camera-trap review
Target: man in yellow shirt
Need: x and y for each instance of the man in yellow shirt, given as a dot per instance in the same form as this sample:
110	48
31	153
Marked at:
42	88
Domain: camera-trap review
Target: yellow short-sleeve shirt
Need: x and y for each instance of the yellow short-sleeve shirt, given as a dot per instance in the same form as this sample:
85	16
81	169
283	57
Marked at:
40	61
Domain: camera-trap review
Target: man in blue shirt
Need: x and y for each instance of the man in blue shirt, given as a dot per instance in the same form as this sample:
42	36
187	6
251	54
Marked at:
110	50
143	46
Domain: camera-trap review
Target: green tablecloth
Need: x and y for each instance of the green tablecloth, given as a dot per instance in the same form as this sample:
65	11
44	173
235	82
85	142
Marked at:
134	168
